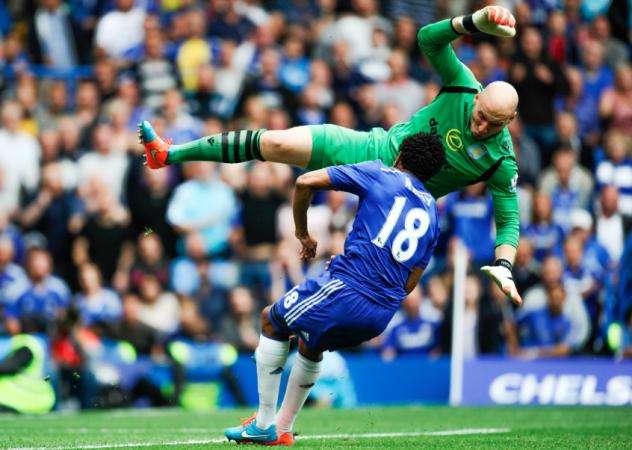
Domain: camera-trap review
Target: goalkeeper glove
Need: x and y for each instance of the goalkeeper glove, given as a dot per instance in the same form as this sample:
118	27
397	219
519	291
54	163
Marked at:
500	273
494	20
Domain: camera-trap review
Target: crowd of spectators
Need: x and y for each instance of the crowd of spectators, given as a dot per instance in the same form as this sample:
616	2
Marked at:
92	244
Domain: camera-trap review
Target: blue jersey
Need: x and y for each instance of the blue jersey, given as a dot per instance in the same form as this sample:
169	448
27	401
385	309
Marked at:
395	230
540	328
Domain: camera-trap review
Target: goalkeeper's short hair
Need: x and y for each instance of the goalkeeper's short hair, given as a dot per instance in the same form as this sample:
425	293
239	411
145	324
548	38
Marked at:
422	154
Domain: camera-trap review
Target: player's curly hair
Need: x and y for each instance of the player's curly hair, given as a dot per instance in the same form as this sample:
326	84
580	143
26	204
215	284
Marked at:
422	154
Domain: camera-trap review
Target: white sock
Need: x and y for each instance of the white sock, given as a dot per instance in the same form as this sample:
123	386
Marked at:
302	377
270	356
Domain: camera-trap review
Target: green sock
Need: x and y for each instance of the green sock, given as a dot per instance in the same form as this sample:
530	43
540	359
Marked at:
226	147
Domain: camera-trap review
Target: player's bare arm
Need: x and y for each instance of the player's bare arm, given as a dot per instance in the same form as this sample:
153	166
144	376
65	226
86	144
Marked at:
413	279
303	193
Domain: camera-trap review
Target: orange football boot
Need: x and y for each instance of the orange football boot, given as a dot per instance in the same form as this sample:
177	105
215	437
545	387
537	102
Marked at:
156	149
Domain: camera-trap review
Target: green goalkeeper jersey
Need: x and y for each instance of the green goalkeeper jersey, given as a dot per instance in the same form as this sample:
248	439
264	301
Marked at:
469	159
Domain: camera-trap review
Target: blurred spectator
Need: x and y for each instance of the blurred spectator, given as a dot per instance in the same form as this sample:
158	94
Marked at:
119	112
321	79
342	114
53	213
144	338
535	298
525	271
568	137
158	309
98	306
260	201
148	196
120	30
615	51
310	111
406	94
544	332
104	236
149	261
471	219
482	321
615	105
538	80
527	153
194	51
569	185
580	280
488	65
609	227
106	164
596	258
561	45
206	205
57	101
12	277
417	332
129	92
87	110
596	79
267	84
356	29
189	273
193	276
105	76
205	101
240	327
180	126
228	23
10	231
70	147
155	73
19	157
545	235
56	39
616	169
294	70
45	299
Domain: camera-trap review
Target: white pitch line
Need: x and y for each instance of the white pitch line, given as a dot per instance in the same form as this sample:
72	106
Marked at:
462	432
459	432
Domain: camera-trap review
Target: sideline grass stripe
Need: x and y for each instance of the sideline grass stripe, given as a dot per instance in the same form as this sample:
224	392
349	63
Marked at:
460	432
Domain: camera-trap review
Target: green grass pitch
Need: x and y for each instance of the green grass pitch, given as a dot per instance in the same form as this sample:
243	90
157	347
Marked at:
397	427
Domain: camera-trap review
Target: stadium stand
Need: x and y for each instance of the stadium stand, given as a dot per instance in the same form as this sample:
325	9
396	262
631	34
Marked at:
96	251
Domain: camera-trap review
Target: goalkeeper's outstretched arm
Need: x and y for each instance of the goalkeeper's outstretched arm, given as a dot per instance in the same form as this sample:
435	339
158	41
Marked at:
434	40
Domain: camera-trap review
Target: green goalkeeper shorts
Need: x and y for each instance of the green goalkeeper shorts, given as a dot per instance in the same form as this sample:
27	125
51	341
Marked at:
333	145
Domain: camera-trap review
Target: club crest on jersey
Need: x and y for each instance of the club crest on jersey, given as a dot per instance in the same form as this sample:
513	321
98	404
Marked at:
453	140
476	150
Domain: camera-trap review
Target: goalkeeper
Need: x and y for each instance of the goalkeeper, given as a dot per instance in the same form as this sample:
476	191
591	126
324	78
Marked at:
471	121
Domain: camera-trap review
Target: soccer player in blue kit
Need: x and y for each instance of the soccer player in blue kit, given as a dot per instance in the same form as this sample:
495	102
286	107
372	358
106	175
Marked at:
394	235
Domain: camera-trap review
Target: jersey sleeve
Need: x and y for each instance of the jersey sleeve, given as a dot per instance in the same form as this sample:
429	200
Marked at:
434	41
504	190
354	178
